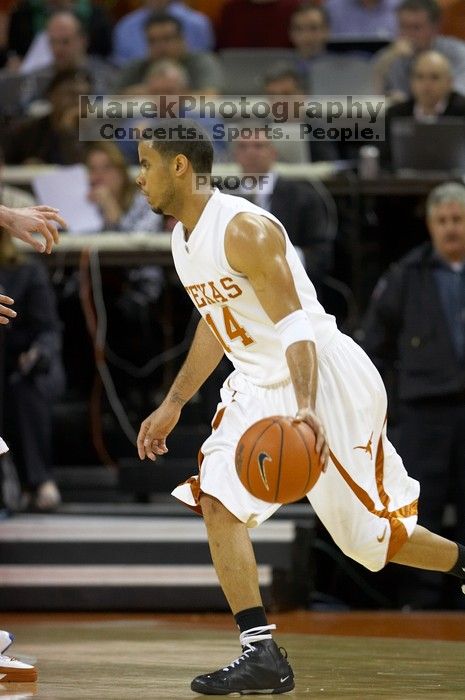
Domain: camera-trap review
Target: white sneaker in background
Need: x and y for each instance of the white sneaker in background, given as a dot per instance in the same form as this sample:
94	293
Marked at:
6	638
14	671
47	497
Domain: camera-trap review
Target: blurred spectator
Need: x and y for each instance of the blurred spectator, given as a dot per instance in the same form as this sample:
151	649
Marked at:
432	95
167	77
166	41
255	23
130	38
68	43
132	292
358	18
33	374
309	33
453	18
415	327
283	79
163	77
13	197
296	204
30	18
419	22
53	138
112	189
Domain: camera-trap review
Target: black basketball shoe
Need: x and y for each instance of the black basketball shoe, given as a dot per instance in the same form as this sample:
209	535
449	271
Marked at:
261	669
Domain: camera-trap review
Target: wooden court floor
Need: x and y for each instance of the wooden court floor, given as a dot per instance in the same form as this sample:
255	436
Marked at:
350	655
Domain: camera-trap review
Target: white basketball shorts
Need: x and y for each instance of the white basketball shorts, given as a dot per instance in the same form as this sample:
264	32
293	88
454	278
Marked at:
365	499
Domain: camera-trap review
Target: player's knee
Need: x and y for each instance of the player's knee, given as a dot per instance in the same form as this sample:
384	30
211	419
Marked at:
211	507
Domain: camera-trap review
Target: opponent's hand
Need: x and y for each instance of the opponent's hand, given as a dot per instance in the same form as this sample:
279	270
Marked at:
22	223
151	441
5	312
308	416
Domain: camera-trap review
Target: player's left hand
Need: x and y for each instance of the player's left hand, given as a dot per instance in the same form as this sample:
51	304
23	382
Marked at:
22	223
308	416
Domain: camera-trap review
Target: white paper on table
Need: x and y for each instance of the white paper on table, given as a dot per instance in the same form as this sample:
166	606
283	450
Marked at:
67	189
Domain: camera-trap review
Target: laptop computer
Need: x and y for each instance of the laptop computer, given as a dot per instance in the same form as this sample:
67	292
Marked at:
428	149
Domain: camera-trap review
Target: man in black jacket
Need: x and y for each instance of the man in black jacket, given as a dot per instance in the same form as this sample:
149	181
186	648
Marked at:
304	211
416	326
432	97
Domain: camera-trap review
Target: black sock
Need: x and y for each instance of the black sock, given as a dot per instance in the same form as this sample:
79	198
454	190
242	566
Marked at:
459	567
252	617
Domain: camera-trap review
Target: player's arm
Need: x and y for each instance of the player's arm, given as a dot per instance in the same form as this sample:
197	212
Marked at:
203	357
22	223
255	247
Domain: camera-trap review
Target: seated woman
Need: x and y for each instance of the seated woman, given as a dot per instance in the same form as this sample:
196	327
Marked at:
122	206
132	294
33	374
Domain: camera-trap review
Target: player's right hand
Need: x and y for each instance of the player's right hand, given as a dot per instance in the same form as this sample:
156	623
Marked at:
151	441
321	446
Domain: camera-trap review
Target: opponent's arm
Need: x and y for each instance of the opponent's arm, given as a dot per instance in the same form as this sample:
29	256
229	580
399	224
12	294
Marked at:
22	223
5	312
255	247
203	357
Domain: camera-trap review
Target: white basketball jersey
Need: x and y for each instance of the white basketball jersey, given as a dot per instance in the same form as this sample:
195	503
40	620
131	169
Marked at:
226	299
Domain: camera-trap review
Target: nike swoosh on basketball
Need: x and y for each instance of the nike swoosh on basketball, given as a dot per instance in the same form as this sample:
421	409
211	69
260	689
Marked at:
262	457
381	539
284	679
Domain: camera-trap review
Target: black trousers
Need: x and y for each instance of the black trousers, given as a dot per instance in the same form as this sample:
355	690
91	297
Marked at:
431	441
27	417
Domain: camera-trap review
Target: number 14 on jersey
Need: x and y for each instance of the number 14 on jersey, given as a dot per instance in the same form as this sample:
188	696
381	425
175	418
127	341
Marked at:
232	328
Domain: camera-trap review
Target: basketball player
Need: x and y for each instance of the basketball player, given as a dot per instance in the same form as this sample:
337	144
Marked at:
259	307
22	223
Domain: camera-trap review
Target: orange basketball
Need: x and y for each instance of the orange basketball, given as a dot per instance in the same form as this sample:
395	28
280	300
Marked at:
276	459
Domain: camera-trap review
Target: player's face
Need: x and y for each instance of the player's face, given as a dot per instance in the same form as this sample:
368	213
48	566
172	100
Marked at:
446	225
155	179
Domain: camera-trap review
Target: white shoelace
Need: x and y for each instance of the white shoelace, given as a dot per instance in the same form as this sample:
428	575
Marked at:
247	639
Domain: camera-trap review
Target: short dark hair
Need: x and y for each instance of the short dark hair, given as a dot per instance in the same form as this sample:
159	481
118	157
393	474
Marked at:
309	5
280	70
163	18
431	7
196	145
